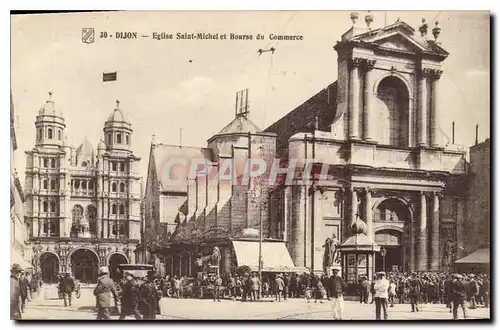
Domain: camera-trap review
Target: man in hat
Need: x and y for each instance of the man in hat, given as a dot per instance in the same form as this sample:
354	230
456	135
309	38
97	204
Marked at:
415	291
130	298
148	297
279	286
24	287
458	295
472	291
103	291
15	292
336	286
67	288
381	288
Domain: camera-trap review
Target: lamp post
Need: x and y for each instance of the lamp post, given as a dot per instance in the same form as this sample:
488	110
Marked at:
383	253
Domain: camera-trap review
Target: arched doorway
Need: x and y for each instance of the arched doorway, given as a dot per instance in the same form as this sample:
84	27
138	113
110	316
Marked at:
114	261
392	219
392	258
84	264
49	266
392	115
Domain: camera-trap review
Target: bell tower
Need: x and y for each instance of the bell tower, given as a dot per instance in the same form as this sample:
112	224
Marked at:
388	84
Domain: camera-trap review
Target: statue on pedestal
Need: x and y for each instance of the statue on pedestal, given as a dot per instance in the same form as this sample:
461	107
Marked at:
330	255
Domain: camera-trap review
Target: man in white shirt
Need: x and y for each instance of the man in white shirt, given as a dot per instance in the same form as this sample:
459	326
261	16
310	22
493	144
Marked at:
381	288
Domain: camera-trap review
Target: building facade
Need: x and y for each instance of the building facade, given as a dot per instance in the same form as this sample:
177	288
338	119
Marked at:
82	206
479	197
20	251
377	140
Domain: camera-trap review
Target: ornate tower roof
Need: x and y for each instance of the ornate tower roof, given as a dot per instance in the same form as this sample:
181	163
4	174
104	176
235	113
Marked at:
49	108
85	153
117	130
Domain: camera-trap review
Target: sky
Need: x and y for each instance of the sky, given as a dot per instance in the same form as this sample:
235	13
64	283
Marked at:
167	85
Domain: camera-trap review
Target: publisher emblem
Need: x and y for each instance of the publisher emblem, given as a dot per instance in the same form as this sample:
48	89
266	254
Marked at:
88	35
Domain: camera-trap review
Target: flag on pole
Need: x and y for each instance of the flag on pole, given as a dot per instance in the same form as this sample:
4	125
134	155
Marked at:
109	76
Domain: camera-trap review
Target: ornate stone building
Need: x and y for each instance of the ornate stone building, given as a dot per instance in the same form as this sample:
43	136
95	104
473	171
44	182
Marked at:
82	206
20	251
377	139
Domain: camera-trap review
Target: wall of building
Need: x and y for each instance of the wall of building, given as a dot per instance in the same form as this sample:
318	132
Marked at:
479	197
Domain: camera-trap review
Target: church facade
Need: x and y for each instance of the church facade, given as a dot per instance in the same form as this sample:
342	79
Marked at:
82	206
377	135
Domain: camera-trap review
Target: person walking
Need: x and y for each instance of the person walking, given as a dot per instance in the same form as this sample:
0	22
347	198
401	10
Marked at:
15	292
148	297
472	291
103	292
279	286
459	295
67	288
336	287
286	286
130	298
392	292
217	288
254	287
381	288
231	284
415	289
24	287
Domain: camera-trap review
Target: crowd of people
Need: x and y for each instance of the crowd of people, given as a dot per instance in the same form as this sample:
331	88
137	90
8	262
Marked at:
140	297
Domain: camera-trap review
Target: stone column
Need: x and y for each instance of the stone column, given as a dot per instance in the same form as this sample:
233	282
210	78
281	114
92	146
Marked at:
297	224
354	99
354	204
422	256
368	214
435	233
422	124
436	74
369	111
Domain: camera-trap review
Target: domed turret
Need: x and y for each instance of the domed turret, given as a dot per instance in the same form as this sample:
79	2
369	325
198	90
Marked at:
50	125
117	131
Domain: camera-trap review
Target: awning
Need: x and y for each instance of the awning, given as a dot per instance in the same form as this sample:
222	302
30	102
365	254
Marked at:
275	256
481	256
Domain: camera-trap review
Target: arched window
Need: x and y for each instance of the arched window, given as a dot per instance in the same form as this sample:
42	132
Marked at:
92	218
122	187
127	140
52	206
122	209
59	136
53	163
77	214
45	184
39	133
84	184
91	185
45	206
53	184
122	167
113	187
113	166
77	184
45	162
113	209
393	101
118	138
49	133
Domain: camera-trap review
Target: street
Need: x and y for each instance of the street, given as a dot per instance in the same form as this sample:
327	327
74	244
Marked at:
48	306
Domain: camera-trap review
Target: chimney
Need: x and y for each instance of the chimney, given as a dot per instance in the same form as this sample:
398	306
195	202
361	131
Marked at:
477	133
423	28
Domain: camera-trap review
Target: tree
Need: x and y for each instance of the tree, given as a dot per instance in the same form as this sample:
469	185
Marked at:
242	270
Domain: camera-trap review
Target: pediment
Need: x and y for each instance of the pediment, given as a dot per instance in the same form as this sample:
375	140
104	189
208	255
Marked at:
399	42
400	37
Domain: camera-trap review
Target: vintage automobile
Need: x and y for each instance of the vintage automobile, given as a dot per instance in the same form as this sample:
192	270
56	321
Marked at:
204	285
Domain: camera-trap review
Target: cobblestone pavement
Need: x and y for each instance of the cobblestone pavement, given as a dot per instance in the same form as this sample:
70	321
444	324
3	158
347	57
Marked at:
48	306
